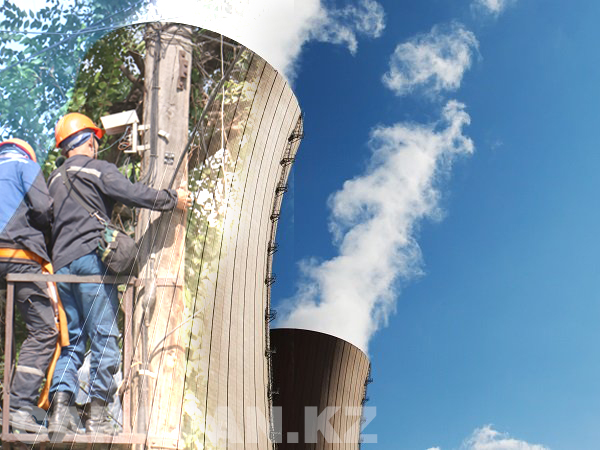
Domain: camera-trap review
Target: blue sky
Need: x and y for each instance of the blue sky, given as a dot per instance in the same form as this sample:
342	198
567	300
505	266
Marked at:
445	217
494	343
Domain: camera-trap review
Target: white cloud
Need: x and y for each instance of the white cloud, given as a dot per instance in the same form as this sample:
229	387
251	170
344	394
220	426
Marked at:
435	61
341	26
494	7
374	219
486	438
277	29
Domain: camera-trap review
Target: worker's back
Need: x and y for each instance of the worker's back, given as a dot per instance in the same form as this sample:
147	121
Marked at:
25	209
75	233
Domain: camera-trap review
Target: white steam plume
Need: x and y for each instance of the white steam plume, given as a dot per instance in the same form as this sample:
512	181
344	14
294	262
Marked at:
435	61
374	218
277	29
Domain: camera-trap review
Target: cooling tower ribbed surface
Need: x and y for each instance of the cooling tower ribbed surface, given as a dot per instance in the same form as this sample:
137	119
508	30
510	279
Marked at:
318	375
228	372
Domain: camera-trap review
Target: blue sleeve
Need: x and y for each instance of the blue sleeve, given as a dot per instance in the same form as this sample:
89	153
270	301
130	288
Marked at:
36	195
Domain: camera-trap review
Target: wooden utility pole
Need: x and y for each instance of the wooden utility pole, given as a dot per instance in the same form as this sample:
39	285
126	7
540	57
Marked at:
159	348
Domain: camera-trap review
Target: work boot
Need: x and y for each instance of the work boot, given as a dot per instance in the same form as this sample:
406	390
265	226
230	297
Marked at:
98	421
22	421
61	421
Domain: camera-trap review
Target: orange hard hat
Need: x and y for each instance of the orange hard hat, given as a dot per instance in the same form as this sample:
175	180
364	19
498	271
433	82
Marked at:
23	146
74	123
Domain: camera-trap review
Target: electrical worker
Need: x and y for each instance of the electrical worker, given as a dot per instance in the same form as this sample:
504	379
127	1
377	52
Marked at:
91	308
25	220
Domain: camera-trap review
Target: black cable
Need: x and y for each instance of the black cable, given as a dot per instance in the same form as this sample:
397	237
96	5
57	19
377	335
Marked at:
67	34
116	142
148	177
211	99
210	38
157	346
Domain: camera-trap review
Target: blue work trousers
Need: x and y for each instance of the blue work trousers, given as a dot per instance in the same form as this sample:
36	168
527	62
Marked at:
92	311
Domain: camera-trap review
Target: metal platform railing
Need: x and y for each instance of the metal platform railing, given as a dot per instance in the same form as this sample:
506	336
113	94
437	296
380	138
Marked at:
128	437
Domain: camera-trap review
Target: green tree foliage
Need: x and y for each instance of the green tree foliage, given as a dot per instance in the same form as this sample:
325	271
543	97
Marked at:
41	55
111	80
113	71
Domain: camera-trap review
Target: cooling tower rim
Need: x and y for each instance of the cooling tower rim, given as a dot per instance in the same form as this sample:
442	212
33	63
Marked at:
308	331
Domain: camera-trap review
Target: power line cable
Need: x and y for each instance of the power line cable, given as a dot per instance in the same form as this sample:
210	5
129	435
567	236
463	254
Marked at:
56	33
211	99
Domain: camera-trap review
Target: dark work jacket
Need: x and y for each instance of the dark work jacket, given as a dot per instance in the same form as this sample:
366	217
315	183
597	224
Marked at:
75	233
25	206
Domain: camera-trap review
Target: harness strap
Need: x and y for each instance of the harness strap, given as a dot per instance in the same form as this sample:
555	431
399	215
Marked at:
15	255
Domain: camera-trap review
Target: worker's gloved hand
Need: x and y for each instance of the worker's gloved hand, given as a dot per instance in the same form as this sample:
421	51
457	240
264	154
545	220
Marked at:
108	236
184	198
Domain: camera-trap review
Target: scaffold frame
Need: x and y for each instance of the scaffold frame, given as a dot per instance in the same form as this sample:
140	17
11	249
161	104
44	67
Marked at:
127	438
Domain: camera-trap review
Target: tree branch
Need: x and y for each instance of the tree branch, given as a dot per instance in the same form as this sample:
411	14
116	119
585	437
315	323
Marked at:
137	59
131	77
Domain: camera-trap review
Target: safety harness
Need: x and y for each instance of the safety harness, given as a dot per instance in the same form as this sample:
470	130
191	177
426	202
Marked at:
19	256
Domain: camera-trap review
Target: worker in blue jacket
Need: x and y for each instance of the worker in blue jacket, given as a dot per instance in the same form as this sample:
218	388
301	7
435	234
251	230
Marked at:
25	219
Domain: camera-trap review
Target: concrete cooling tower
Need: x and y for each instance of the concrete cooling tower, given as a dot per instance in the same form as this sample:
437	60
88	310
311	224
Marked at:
320	389
228	366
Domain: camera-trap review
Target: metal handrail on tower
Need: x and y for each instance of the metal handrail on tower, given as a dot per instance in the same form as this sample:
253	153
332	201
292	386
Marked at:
281	188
